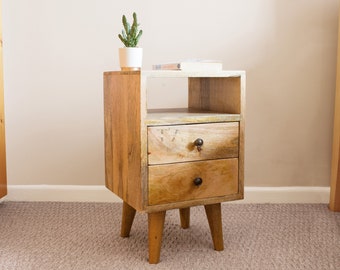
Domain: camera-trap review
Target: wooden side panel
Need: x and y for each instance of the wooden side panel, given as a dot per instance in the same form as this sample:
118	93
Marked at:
122	116
3	178
242	134
334	203
221	94
169	144
175	182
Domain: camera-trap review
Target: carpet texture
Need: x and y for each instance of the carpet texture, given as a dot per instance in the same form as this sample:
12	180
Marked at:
55	235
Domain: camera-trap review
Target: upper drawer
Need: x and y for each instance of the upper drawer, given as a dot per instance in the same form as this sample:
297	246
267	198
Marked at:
169	144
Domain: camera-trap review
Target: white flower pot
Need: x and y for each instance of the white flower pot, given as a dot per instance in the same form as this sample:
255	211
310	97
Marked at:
130	58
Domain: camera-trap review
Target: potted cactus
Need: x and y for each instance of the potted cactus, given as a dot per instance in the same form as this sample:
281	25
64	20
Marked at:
130	57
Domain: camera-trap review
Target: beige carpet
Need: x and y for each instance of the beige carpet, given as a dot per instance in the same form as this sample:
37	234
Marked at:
86	236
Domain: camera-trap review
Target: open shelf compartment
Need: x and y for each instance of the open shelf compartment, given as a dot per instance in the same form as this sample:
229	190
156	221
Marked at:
212	97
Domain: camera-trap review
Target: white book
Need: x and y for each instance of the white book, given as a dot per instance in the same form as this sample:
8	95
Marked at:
191	65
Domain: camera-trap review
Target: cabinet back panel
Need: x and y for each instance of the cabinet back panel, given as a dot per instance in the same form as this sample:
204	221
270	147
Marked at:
221	95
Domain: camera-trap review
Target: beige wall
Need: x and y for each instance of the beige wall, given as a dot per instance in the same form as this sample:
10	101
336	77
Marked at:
56	50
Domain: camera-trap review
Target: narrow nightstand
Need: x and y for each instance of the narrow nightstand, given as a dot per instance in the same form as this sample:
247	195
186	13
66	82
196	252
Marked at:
162	159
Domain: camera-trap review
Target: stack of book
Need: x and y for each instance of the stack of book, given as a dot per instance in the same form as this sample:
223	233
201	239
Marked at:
191	65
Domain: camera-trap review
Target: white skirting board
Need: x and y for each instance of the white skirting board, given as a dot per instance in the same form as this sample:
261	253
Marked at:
74	193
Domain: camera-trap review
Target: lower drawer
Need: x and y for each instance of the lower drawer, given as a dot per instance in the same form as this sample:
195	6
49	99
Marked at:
192	180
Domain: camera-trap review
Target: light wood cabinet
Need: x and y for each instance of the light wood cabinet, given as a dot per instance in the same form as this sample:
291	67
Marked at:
161	159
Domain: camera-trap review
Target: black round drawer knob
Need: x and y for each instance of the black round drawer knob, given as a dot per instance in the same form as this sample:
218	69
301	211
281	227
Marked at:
198	143
198	181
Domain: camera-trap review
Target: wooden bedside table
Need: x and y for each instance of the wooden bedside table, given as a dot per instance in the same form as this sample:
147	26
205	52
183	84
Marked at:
162	159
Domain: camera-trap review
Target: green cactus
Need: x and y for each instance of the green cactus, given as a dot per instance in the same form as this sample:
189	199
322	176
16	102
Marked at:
130	34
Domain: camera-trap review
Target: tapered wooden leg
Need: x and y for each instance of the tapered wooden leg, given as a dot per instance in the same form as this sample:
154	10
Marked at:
185	217
156	225
127	219
213	212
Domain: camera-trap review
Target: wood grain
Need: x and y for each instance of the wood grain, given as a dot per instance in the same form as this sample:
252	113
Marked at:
127	122
151	160
122	121
184	214
214	216
128	216
187	116
242	135
3	175
156	226
334	202
221	95
169	144
174	182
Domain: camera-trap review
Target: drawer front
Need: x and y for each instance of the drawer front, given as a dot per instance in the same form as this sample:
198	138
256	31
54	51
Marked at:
170	144
181	182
